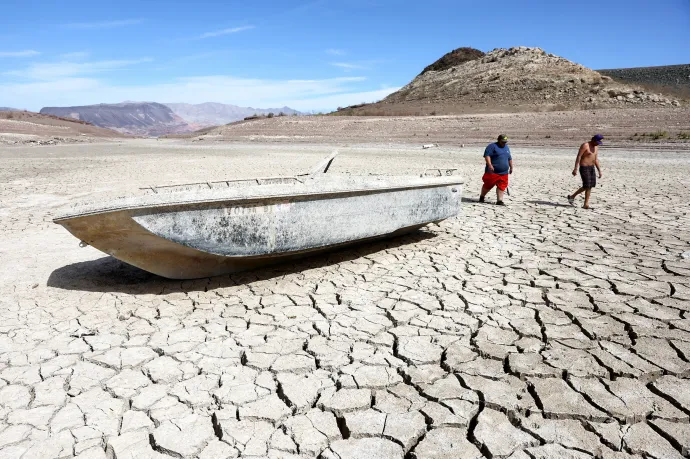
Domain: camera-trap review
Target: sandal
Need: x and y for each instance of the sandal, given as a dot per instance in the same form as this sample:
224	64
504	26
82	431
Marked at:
500	203
571	200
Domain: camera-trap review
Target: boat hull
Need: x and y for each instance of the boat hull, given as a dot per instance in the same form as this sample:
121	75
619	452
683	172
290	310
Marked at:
204	239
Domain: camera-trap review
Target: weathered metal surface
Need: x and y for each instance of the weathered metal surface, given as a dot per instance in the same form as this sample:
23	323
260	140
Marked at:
202	230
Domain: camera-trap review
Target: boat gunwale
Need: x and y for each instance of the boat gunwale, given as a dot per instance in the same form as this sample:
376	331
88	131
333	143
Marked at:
332	193
256	180
300	178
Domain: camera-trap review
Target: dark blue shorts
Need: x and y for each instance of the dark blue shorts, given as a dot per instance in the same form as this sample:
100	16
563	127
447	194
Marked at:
589	176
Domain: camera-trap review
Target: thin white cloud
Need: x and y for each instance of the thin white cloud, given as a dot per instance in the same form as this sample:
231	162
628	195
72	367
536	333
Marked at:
56	70
77	55
219	33
24	53
326	94
103	24
347	65
335	52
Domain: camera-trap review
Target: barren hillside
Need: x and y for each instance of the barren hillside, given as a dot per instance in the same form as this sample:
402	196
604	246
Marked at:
668	79
23	127
649	127
511	80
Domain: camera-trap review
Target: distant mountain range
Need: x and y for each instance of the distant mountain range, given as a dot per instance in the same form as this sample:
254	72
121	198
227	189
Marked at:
155	119
9	109
214	114
138	118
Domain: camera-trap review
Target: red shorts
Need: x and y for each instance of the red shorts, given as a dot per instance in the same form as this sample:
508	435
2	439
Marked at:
494	180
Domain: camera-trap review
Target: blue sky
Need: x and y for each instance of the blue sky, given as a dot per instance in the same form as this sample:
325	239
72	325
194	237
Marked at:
309	55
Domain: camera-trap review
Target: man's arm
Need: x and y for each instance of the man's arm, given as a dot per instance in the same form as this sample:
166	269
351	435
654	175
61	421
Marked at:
596	163
487	157
510	163
579	156
488	163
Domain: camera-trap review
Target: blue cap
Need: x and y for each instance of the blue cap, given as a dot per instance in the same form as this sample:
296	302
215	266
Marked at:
598	139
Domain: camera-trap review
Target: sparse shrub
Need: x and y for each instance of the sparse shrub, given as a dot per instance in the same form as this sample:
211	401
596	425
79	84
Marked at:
433	113
548	136
281	114
684	135
270	115
658	135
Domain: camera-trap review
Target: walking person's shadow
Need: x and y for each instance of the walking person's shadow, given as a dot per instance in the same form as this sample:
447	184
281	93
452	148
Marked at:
549	203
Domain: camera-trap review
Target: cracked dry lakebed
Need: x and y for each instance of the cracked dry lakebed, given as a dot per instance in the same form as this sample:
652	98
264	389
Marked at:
535	330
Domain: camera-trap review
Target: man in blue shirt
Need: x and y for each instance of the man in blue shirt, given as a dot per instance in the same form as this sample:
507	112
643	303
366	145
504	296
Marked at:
499	164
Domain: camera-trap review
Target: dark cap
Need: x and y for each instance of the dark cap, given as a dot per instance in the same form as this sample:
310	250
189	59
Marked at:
598	139
503	138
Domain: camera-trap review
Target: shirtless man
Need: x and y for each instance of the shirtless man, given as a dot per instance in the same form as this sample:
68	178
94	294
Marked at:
587	159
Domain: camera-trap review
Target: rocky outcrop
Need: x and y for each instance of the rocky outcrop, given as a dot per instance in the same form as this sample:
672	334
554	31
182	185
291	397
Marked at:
509	80
453	58
138	118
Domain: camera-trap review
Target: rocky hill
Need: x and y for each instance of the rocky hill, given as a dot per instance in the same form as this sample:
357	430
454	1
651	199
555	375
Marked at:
510	80
669	79
138	118
214	114
8	109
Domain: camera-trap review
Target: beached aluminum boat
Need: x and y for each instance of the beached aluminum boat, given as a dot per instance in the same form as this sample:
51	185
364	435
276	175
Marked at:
206	229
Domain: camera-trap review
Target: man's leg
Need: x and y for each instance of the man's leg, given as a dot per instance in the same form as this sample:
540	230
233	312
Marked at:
588	191
501	187
580	190
485	189
571	197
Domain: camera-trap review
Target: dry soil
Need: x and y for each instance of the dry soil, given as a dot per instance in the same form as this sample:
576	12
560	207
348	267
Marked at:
532	330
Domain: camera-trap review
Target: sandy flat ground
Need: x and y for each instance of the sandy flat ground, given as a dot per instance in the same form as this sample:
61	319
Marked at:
532	330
